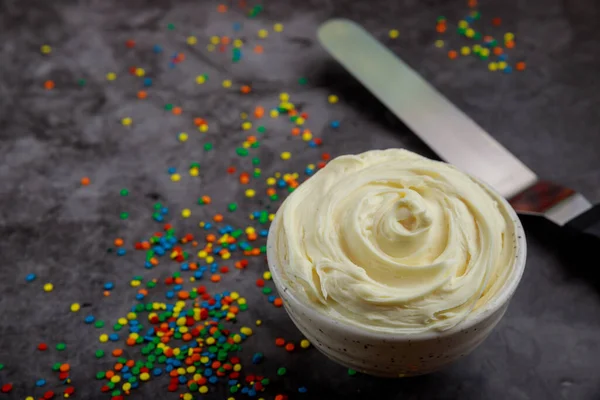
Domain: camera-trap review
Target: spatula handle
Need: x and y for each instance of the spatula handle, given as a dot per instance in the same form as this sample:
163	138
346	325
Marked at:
588	223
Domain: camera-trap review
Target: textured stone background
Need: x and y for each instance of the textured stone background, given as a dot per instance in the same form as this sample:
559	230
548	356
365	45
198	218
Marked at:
545	348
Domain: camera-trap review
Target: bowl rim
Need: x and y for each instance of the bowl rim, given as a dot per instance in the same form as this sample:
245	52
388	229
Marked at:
495	304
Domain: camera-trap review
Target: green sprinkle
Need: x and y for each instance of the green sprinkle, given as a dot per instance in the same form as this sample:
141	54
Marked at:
100	375
99	324
351	372
232	207
81	82
302	81
61	346
117	327
124	192
124	215
56	366
99	353
281	371
208	146
194	165
267	290
168	107
2	366
171	26
241	152
261	129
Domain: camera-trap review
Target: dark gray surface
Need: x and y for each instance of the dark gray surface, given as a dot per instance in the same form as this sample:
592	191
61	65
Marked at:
545	348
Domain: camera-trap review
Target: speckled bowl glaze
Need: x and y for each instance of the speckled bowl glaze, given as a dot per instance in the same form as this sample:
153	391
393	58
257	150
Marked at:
397	355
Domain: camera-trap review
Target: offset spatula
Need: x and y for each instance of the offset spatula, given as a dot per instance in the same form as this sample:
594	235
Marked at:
449	132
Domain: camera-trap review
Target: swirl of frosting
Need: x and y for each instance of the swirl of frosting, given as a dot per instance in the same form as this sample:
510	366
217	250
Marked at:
393	241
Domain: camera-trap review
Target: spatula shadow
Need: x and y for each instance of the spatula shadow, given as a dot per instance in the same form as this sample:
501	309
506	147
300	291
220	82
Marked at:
575	252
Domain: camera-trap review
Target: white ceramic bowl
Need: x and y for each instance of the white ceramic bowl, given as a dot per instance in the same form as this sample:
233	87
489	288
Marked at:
397	355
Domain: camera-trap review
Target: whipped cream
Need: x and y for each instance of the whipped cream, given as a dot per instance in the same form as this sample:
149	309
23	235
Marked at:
393	241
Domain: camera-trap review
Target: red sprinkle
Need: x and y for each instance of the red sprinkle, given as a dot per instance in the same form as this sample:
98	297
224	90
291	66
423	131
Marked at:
6	388
42	347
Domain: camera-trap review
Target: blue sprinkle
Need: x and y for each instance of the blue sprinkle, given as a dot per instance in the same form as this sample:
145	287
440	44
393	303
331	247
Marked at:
237	26
139	296
335	124
508	69
244	390
302	389
251	392
257	358
503	57
109	286
30	277
147	82
213	379
157	49
113	337
121	252
89	319
40	382
271	298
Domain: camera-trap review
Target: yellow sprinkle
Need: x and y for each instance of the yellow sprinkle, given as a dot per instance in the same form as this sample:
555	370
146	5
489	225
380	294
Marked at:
246	331
332	98
202	254
306	136
237	43
203	128
439	44
277	175
274	113
250	193
215	40
258	322
140	72
263	33
135	283
227	83
126	121
29	398
144	376
470	33
210	47
284	97
115	379
203	389
210	259
502	65
175	177
304	343
271	217
267	275
241	301
191	40
246	125
278	27
465	50
508	36
103	338
126	386
463	24
188	396
194	171
485	52
182	136
237	367
394	33
111	76
476	48
122	321
48	287
75	307
200	79
131	316
286	155
299	121
45	49
243	115
493	66
185	213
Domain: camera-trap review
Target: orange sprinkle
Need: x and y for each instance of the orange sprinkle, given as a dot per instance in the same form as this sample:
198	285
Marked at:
49	85
293	113
255	252
65	367
130	342
118	366
498	50
222	8
130	363
199	121
244	178
154	261
252	237
472	3
215	278
452	54
510	44
258	49
290	347
218	218
210	237
118	242
178	281
187	337
146	245
225	40
142	94
143	291
206	199
521	66
279	342
106	293
440	28
85	181
177	110
245	89
278	302
259	112
271	191
183	295
117	352
109	374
